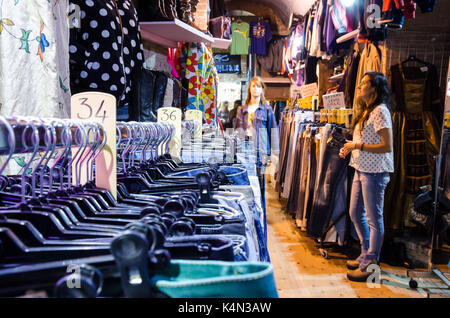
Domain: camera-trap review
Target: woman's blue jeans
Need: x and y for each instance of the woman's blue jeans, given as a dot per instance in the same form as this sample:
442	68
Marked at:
366	212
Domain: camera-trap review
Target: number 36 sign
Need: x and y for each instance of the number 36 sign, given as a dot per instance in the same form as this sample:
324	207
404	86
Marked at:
172	115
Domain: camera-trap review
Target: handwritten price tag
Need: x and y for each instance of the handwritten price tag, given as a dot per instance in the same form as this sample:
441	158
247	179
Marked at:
172	115
99	107
196	115
309	90
334	101
295	91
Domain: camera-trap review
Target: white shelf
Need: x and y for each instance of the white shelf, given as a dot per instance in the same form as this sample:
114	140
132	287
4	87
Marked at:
336	78
349	36
275	80
221	43
169	33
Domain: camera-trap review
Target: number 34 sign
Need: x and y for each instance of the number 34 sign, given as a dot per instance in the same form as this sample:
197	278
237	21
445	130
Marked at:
101	108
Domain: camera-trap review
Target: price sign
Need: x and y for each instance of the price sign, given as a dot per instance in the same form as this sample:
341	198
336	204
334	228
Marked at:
99	107
309	90
196	115
295	91
172	115
333	101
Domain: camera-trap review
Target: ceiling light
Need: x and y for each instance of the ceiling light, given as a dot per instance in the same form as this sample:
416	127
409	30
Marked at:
347	3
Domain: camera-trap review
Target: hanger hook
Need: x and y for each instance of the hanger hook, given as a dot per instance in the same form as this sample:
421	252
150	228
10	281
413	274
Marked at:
102	144
80	140
35	143
11	140
48	145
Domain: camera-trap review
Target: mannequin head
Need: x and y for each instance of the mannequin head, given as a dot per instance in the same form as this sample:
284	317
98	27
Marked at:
255	91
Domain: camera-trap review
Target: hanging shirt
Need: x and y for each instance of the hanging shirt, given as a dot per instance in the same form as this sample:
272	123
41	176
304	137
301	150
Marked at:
338	15
409	11
202	78
370	60
106	49
34	58
240	40
273	61
260	34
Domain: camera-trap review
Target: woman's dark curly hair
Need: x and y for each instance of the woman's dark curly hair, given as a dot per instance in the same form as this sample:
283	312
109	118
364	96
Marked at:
382	96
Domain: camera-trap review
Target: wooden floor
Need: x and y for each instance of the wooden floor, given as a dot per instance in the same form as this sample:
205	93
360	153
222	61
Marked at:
300	271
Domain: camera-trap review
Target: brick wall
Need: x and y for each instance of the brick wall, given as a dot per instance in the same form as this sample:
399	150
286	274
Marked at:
201	16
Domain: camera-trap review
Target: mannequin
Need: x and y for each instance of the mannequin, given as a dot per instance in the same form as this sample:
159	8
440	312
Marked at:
256	121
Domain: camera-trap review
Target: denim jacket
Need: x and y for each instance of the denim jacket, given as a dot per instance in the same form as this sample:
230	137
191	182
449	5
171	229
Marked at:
265	130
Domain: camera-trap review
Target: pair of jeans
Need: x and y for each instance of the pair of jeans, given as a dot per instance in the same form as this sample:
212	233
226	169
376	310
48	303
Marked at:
309	195
236	175
284	153
262	186
291	205
252	252
159	92
304	176
216	247
330	173
143	94
340	206
366	212
445	160
262	236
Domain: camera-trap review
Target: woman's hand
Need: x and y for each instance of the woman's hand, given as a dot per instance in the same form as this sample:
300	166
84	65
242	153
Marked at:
348	147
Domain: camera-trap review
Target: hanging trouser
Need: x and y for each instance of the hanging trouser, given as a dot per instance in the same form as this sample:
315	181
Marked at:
309	195
303	178
160	90
291	205
332	169
143	93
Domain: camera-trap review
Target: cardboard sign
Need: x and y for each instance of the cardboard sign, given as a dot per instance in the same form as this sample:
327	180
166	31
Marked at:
295	91
333	101
172	115
196	115
309	90
99	107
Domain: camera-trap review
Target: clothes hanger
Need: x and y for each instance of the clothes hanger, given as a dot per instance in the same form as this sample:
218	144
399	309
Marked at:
16	251
50	218
413	58
79	162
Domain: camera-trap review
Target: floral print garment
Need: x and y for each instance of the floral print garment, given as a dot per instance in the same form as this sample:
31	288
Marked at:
34	65
34	58
202	76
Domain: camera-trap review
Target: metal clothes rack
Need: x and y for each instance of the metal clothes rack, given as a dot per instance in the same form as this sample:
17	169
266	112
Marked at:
432	269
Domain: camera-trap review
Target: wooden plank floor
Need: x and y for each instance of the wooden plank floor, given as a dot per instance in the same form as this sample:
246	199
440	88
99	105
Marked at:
300	271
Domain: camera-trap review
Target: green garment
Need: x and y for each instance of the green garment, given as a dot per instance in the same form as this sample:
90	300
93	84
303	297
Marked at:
240	39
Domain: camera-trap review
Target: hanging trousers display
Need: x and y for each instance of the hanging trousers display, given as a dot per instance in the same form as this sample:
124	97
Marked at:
332	169
319	178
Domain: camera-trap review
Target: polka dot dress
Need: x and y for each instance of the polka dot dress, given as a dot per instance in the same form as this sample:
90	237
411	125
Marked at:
369	162
102	58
